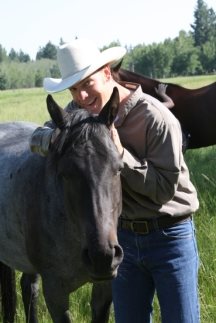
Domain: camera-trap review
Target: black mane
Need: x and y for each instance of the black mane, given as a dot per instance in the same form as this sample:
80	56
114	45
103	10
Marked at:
80	126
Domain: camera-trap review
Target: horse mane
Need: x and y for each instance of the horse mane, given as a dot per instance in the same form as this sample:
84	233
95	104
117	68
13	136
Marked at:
80	125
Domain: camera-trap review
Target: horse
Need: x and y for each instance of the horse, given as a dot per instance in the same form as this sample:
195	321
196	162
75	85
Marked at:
59	214
194	108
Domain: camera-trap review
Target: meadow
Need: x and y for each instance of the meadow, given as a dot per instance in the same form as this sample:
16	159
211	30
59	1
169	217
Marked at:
30	105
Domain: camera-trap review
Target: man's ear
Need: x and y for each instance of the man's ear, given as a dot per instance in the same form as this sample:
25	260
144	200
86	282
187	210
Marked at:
110	110
107	72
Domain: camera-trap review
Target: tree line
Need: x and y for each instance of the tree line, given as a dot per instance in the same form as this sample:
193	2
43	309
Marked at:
190	53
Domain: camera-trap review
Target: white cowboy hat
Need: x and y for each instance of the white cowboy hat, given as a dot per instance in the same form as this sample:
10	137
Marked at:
78	60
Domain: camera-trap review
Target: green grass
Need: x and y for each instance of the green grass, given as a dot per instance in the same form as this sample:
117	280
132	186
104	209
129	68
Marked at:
192	82
201	162
30	105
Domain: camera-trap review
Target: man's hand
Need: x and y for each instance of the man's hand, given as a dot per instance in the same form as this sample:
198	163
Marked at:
40	140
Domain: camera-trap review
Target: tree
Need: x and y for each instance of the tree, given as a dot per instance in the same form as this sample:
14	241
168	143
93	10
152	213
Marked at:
23	58
141	62
186	55
49	51
204	27
112	44
3	81
13	55
54	71
38	79
208	56
18	57
154	60
61	42
3	54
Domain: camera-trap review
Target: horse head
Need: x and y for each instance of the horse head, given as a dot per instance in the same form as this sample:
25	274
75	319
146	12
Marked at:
89	165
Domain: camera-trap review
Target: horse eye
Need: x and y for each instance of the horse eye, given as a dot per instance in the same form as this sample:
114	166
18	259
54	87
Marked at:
65	177
119	170
121	166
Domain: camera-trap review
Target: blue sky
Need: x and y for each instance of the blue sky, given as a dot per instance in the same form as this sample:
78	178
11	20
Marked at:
30	24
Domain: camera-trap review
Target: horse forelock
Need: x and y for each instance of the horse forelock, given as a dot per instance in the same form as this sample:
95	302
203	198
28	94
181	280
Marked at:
80	126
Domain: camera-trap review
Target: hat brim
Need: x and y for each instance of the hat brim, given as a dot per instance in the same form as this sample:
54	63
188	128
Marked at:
108	56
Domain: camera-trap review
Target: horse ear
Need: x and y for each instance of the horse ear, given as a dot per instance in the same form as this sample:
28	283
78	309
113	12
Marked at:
56	112
110	110
116	67
115	71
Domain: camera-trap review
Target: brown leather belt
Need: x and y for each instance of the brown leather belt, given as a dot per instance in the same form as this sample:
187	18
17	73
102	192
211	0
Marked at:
147	226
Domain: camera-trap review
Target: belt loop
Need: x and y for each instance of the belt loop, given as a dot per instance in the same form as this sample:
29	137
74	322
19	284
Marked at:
155	224
120	222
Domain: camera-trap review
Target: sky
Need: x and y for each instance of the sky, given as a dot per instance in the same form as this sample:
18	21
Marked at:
28	25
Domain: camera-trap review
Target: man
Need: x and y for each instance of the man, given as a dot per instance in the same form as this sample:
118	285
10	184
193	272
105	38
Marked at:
156	227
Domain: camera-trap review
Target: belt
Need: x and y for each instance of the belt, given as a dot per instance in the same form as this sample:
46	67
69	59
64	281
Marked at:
147	226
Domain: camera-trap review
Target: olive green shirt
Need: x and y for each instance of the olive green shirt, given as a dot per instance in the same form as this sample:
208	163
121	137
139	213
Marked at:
155	178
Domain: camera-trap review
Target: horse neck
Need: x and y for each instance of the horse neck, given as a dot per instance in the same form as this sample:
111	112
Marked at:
53	186
148	85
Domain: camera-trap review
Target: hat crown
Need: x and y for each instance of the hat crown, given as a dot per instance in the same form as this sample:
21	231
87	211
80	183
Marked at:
78	60
76	56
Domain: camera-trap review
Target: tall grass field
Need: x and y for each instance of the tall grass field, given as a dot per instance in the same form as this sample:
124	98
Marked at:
30	105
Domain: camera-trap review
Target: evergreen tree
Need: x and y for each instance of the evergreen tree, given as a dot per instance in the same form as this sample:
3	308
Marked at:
49	51
61	42
23	58
3	81
13	55
3	54
204	27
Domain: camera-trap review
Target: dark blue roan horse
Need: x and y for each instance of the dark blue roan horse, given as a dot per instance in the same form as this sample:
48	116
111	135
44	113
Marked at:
58	215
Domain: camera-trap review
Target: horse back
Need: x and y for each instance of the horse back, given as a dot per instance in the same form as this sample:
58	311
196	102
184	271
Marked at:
19	169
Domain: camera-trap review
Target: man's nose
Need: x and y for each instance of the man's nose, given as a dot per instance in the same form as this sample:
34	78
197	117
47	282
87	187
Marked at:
82	95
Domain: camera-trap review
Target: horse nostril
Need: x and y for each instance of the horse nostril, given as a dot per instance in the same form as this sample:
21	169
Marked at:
118	252
86	258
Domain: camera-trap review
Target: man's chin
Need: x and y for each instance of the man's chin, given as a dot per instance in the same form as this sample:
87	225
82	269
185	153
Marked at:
93	110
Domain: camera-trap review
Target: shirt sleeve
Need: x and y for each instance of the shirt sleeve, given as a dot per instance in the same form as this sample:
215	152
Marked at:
156	176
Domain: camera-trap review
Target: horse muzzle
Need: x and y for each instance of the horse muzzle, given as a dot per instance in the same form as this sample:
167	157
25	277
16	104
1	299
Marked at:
103	264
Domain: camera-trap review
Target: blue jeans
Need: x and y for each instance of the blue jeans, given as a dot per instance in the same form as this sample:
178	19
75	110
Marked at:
165	261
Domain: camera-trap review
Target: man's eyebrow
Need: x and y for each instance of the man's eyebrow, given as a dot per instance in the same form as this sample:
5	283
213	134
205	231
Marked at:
80	83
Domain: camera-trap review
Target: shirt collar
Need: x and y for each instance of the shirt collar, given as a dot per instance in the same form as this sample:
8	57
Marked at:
130	103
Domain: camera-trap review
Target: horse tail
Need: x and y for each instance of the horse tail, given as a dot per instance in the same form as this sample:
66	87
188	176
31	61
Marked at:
8	293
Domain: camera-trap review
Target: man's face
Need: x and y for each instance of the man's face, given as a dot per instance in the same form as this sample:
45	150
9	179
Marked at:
93	92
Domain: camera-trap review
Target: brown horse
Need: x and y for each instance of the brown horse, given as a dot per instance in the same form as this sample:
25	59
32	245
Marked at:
195	109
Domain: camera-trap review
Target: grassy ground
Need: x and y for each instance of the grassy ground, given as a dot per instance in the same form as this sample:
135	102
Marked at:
202	165
30	105
192	82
